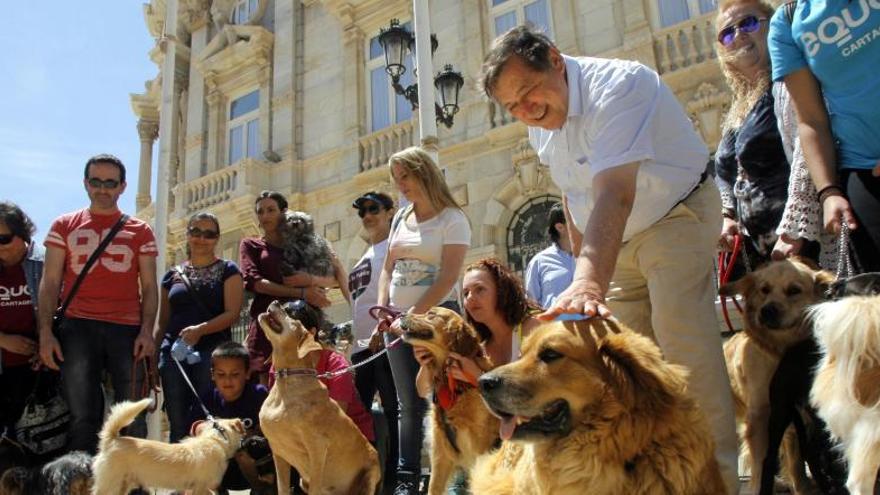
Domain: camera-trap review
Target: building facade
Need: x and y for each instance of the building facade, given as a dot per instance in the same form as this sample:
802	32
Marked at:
292	95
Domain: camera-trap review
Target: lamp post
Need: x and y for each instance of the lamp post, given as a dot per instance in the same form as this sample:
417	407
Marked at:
396	41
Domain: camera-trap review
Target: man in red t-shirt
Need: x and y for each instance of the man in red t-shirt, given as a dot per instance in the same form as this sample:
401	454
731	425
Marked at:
108	325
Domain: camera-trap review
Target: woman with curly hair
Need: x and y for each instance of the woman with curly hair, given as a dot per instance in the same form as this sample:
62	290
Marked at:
496	304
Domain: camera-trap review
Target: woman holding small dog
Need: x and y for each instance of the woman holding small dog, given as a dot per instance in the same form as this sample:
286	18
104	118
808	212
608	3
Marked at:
201	299
426	250
261	260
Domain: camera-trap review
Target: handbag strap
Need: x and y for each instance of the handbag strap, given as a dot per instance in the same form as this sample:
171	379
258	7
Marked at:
192	292
91	261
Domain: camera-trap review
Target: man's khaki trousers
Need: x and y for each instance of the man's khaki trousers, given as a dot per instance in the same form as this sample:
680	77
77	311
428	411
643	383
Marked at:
663	287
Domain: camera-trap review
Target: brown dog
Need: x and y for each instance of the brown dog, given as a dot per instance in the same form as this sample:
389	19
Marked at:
777	296
196	463
305	428
591	407
462	427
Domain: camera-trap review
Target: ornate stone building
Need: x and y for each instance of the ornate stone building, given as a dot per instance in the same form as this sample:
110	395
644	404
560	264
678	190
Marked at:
291	95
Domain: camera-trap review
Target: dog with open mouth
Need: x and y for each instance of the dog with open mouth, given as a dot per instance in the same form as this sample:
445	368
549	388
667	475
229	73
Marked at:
305	427
592	407
462	427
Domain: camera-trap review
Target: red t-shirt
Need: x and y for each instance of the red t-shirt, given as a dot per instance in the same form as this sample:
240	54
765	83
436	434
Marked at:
16	310
341	388
111	290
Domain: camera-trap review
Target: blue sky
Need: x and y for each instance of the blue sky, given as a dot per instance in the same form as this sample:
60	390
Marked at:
67	71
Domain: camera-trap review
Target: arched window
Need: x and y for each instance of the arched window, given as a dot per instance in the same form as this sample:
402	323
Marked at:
527	232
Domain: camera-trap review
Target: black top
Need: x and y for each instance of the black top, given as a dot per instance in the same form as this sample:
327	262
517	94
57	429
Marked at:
751	164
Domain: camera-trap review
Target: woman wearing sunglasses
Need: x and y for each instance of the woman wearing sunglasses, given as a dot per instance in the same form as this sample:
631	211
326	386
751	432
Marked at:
827	53
763	197
21	265
200	300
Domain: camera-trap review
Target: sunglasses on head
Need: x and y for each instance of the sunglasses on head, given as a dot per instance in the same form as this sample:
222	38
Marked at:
372	210
748	24
204	234
6	239
106	184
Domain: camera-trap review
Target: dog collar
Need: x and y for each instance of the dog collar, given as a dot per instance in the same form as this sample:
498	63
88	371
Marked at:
281	373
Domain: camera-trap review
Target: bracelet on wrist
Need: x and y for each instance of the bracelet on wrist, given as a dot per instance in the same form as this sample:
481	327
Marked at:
827	191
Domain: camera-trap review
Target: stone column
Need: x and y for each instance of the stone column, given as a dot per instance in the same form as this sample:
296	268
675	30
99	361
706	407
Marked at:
148	131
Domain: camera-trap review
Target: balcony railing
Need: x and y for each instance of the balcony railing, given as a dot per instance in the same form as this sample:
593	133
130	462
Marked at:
248	175
685	44
376	148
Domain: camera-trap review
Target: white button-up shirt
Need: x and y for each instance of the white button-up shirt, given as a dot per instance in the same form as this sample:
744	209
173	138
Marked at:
621	112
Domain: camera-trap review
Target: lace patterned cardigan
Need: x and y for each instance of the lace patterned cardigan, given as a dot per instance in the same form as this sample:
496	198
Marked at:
802	217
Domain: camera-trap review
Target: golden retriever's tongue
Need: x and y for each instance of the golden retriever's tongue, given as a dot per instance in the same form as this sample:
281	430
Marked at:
508	425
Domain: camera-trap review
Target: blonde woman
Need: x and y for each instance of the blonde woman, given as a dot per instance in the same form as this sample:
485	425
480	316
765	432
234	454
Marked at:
426	250
763	197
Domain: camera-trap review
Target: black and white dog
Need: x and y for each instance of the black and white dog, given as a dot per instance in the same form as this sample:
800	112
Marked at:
70	474
305	250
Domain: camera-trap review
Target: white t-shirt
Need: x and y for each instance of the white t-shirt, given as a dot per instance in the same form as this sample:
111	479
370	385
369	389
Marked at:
620	112
363	282
417	249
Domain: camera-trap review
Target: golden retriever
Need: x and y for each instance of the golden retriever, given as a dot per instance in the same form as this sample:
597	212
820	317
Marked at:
592	407
305	427
196	463
462	427
846	391
777	296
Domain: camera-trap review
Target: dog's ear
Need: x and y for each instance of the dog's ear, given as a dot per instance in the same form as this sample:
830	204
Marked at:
637	373
742	286
308	345
463	338
822	283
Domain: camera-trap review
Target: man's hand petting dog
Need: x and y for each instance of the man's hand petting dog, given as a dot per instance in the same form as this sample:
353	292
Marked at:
581	297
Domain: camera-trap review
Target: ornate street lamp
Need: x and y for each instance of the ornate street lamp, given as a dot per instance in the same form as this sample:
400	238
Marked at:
395	41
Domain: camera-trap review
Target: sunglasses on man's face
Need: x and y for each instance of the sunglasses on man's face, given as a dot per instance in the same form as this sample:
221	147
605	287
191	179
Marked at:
106	184
204	234
6	239
372	210
748	24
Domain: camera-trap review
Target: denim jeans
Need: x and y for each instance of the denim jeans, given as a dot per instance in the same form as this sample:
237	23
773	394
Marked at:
412	408
91	347
179	399
376	376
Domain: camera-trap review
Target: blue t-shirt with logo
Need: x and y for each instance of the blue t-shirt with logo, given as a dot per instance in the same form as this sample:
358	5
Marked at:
839	40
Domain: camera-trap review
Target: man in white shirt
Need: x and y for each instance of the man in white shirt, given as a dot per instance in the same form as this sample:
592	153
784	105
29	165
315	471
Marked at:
550	272
643	218
376	210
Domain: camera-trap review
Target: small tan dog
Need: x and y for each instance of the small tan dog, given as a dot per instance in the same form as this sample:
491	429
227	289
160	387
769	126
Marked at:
196	463
592	407
305	427
462	426
846	391
777	296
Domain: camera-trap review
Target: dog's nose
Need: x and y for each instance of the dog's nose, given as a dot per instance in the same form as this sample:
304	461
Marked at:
490	383
770	314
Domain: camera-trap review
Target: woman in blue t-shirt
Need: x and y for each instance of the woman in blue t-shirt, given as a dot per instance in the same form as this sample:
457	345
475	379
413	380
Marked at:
827	52
201	299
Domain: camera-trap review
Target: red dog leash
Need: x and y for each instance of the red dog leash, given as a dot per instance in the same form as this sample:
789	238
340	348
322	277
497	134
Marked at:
726	263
